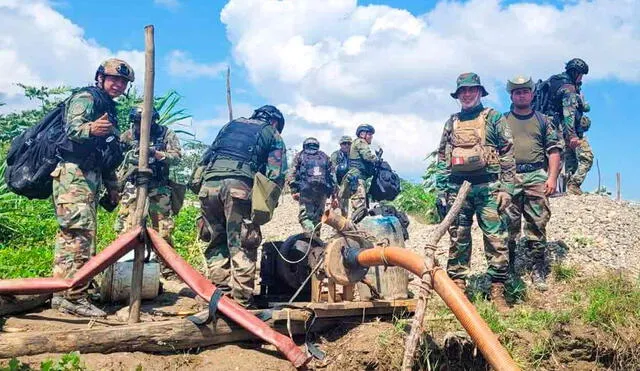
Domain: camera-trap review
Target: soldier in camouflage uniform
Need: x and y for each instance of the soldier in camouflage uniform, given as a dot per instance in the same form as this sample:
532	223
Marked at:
164	152
313	181
571	107
242	148
340	162
537	147
477	146
362	163
90	156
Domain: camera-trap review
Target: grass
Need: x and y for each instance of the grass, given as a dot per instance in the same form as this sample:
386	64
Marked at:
563	273
610	301
416	201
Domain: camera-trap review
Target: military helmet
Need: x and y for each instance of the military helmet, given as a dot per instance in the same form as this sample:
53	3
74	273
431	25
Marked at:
345	139
577	65
468	79
519	82
135	115
365	127
115	67
268	113
311	143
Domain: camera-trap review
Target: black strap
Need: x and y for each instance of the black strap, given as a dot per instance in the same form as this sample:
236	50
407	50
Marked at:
529	167
473	179
213	308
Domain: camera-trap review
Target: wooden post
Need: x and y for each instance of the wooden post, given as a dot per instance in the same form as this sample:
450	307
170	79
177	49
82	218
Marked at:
599	179
618	186
143	164
416	324
229	93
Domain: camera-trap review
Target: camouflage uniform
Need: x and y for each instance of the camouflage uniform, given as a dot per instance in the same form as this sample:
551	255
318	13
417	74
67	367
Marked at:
342	201
361	167
578	161
533	141
225	199
75	193
497	176
159	192
312	201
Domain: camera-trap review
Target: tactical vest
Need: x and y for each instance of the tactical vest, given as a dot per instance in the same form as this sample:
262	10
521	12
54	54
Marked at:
529	138
104	153
468	141
342	165
312	171
238	141
157	141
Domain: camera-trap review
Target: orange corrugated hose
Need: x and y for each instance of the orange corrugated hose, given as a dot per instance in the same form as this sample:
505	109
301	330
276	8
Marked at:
465	312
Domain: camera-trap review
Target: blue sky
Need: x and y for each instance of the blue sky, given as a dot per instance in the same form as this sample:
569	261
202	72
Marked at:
333	65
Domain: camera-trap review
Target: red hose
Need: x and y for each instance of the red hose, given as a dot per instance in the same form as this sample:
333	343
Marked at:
465	312
201	286
95	265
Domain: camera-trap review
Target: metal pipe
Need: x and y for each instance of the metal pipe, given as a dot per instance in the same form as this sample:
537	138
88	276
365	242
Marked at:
204	288
108	256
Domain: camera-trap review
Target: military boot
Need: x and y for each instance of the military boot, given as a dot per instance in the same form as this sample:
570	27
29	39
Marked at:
80	307
497	297
539	277
574	189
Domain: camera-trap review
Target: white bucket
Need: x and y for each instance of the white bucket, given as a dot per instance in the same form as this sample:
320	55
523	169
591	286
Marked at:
116	281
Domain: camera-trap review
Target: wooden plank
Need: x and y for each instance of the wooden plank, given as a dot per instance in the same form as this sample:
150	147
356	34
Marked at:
331	287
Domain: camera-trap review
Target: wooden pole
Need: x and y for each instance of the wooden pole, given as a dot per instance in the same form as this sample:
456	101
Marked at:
229	93
143	168
599	179
416	324
618	187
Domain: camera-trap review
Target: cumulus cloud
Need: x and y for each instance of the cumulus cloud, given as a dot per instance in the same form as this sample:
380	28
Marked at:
181	64
332	65
39	46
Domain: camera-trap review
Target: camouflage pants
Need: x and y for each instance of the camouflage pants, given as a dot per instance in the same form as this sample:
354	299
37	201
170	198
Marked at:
74	197
159	210
356	199
311	209
482	202
578	162
231	241
529	202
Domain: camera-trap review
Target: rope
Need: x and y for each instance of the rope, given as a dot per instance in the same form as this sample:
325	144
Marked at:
306	254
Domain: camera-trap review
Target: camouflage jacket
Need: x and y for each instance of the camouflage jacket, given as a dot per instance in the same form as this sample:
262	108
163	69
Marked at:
274	168
573	106
79	114
362	160
167	148
498	136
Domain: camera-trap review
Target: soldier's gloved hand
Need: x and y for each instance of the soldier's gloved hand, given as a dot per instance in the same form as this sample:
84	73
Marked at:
296	196
152	152
504	200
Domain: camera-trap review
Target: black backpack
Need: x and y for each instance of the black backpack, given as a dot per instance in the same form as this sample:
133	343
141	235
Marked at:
342	167
313	171
33	156
544	94
385	184
36	152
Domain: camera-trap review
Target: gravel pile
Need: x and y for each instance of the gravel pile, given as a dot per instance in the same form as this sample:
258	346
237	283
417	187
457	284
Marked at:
590	232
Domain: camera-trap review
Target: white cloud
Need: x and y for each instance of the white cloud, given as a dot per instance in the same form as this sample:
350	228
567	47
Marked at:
170	4
39	46
181	64
332	65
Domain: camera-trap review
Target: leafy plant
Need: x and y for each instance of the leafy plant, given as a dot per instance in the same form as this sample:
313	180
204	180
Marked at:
417	201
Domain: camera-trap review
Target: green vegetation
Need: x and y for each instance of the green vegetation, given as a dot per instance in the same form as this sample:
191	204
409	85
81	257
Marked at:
417	201
564	273
611	301
68	362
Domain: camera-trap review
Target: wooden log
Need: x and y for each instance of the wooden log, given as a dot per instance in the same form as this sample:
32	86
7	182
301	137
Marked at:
163	336
12	304
143	164
411	343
